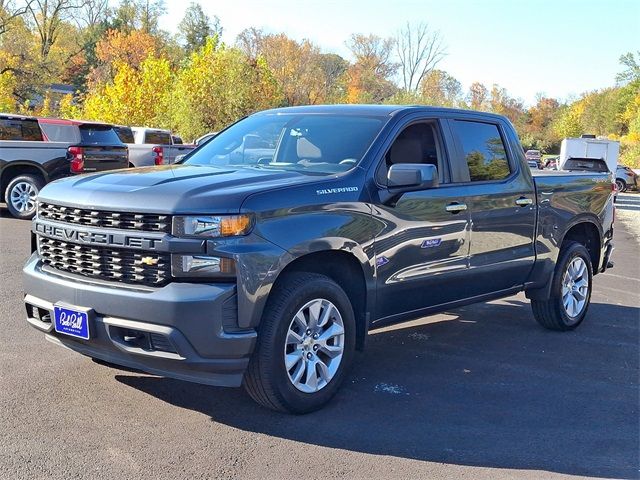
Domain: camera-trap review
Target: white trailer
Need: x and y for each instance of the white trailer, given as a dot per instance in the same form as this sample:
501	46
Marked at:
589	149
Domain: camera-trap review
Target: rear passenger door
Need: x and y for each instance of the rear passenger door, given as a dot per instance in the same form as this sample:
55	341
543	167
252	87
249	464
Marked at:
500	196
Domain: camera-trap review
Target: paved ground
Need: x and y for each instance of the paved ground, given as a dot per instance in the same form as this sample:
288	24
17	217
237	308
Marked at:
481	392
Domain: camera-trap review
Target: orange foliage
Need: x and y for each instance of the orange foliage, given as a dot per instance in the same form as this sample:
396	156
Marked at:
128	48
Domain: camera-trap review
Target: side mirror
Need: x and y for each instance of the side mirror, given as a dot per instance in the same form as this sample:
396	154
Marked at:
411	177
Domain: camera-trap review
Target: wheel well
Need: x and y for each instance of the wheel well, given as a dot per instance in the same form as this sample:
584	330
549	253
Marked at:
344	269
587	234
11	172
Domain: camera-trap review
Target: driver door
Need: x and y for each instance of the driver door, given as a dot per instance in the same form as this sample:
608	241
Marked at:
423	247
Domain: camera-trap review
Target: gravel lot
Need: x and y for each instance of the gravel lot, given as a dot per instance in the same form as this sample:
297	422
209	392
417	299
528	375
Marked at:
479	392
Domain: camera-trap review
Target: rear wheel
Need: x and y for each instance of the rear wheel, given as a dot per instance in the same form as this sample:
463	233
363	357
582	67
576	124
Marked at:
21	195
306	343
621	185
567	306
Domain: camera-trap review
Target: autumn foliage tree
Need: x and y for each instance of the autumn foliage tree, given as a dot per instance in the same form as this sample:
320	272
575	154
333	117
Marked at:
135	96
218	86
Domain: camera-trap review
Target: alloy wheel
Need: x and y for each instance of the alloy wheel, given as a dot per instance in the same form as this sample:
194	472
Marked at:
314	345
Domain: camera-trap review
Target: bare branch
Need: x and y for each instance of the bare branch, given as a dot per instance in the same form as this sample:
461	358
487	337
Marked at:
419	51
9	11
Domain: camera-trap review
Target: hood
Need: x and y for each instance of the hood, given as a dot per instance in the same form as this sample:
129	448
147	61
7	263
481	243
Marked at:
171	189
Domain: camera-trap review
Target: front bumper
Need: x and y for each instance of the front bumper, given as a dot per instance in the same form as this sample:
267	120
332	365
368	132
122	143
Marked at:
186	331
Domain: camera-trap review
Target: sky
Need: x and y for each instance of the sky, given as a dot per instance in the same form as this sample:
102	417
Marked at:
559	48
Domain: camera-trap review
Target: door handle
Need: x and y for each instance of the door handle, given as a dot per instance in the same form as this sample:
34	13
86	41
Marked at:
523	201
456	207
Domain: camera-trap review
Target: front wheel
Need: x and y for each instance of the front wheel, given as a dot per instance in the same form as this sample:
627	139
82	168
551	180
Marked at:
306	342
571	287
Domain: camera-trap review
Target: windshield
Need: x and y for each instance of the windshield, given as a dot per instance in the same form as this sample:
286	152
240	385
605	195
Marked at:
306	143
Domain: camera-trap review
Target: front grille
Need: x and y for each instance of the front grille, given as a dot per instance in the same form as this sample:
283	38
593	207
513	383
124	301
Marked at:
145	222
135	267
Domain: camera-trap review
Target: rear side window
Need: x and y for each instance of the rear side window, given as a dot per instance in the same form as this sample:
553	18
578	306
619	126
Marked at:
20	129
125	134
56	132
99	135
483	150
159	138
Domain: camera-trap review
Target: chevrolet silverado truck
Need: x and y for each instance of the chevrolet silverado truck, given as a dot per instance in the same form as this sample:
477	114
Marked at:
268	269
28	161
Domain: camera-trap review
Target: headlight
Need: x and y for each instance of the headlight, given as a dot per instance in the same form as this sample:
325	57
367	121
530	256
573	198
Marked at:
212	226
202	266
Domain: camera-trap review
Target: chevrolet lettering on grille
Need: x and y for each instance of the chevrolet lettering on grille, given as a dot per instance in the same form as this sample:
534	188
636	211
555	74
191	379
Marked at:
89	237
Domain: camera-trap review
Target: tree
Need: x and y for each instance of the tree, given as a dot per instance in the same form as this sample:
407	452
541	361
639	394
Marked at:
92	13
333	68
48	18
441	89
249	41
138	15
150	13
502	103
373	53
196	27
369	78
569	122
119	47
218	86
296	67
477	97
632	70
419	50
18	63
136	96
9	10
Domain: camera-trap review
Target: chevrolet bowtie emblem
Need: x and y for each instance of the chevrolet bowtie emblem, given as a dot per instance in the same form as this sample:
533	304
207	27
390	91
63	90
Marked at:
149	261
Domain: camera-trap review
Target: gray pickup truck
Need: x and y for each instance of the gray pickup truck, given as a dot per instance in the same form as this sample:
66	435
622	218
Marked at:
267	266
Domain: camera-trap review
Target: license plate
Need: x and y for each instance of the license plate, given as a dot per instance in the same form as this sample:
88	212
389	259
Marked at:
71	322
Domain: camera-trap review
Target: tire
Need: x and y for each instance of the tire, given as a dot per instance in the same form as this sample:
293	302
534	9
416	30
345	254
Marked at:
621	185
554	313
21	194
267	379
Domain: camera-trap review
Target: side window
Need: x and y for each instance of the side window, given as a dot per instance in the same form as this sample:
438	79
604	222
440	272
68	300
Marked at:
18	129
417	143
60	132
483	150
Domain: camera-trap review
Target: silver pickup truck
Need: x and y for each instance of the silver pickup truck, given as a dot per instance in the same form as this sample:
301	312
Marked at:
151	146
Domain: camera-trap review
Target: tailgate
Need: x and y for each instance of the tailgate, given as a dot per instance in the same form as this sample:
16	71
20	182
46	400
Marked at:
170	153
105	157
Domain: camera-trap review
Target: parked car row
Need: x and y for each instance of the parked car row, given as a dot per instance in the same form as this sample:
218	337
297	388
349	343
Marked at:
35	151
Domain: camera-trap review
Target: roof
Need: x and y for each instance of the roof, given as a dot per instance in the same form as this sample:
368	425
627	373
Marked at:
62	88
16	116
64	121
360	109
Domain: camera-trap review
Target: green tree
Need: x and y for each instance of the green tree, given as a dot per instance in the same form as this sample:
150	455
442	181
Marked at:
196	27
631	72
